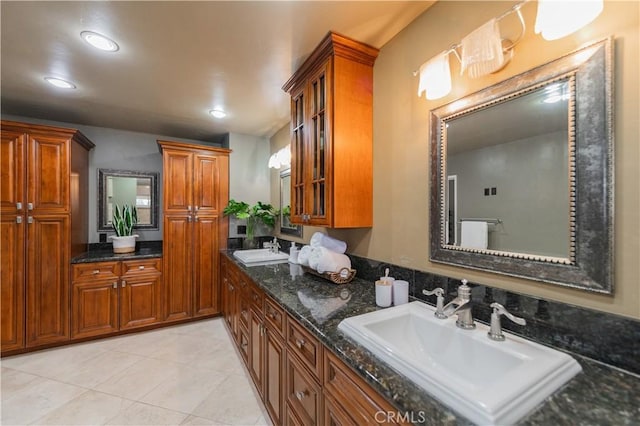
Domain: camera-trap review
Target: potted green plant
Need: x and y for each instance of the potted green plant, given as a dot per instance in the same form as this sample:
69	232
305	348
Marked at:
260	212
123	221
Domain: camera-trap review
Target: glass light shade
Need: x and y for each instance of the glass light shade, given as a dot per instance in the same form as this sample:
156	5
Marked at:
435	77
559	18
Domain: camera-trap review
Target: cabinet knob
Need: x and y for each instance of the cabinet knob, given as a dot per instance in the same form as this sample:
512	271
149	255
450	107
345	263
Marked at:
301	395
95	271
141	267
300	343
115	284
189	208
18	219
18	206
29	206
244	344
124	283
30	219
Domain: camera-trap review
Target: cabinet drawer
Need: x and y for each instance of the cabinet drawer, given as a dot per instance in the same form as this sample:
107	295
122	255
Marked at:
356	398
304	395
256	296
98	270
274	316
141	266
243	343
305	346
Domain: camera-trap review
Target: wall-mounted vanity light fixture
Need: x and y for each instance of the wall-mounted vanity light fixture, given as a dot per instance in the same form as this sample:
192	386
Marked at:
483	51
281	159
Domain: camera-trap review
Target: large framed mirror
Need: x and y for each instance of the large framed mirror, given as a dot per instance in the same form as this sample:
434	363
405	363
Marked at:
522	174
286	227
118	187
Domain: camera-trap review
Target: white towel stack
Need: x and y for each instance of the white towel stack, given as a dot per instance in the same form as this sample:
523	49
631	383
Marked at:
321	240
324	254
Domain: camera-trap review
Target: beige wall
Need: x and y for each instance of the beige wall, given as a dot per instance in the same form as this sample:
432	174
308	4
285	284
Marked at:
400	233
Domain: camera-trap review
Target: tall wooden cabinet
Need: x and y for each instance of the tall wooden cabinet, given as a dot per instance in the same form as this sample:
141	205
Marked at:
44	222
195	191
332	135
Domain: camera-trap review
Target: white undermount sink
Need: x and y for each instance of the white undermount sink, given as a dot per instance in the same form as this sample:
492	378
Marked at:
258	257
488	382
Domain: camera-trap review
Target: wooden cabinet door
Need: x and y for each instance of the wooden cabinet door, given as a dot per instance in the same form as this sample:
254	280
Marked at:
140	300
177	257
47	303
273	395
303	394
12	169
12	249
318	159
256	348
205	260
95	307
49	173
298	155
177	181
335	414
206	178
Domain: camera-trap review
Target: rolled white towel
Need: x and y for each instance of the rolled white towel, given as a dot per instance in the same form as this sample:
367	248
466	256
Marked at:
321	240
324	260
303	255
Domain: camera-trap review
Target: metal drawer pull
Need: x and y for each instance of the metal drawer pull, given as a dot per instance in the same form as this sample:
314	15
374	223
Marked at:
124	283
95	271
29	206
300	343
30	219
115	284
273	315
18	219
19	206
244	344
301	395
141	267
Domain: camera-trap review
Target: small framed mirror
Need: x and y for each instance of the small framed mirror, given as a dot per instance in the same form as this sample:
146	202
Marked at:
286	227
118	187
522	174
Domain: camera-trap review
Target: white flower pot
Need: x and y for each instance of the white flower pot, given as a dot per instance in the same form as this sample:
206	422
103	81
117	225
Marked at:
125	244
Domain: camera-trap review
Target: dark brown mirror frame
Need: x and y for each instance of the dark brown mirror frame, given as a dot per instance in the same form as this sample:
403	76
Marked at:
102	190
591	174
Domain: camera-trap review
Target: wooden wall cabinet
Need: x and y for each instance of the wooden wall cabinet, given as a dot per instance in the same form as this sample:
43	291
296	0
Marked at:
43	205
195	191
332	135
112	296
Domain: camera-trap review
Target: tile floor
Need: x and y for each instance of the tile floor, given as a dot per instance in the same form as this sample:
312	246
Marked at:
182	375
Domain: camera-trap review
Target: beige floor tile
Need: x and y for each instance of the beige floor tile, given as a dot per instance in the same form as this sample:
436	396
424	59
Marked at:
195	421
14	381
145	344
52	363
140	378
97	370
222	360
186	349
232	402
90	408
264	421
184	392
139	413
33	402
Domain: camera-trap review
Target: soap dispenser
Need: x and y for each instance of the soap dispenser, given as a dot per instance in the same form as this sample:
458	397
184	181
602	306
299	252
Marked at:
293	253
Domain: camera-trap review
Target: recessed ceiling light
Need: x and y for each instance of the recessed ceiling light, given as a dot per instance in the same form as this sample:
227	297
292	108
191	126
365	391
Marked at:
99	41
58	82
218	113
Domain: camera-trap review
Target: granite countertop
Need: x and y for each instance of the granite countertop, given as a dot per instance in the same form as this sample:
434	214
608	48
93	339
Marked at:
106	255
601	394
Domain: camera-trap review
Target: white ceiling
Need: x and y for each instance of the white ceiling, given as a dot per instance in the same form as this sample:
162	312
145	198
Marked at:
177	60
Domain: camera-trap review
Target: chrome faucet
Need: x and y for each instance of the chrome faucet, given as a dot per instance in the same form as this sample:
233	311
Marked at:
461	306
439	292
275	246
495	333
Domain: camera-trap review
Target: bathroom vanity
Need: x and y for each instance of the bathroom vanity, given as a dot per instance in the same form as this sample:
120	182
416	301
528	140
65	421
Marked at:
285	326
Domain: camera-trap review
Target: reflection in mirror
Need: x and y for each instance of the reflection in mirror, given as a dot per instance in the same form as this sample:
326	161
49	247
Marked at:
511	168
286	227
118	187
522	174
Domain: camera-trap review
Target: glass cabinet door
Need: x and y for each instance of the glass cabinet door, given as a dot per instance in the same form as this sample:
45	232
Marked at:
318	149
298	153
